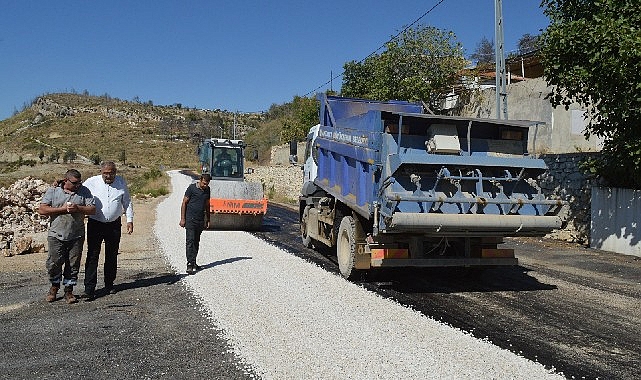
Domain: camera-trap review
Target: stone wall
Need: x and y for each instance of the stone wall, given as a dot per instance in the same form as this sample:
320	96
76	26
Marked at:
566	180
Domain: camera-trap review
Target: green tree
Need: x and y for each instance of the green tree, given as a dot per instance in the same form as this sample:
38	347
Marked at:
484	52
41	155
528	43
69	156
304	115
95	158
123	157
591	54
55	156
421	63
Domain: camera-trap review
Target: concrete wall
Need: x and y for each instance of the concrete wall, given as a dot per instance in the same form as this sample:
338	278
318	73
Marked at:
560	130
280	154
615	220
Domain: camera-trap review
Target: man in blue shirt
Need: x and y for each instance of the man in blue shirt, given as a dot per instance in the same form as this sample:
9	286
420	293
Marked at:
112	200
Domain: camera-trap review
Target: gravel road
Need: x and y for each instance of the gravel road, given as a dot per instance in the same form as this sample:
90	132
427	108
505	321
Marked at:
287	318
264	306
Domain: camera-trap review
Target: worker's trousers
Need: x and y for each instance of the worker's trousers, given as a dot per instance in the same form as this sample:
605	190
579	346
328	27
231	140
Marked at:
192	242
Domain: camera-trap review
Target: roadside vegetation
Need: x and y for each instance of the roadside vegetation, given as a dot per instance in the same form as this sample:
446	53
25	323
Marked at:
591	54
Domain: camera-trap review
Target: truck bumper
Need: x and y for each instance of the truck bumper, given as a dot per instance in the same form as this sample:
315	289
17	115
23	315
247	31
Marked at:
472	224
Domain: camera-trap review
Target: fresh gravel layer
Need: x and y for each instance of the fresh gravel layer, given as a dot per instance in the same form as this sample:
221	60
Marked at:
287	318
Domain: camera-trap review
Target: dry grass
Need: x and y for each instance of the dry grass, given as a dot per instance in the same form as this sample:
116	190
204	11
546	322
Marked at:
152	137
142	181
107	129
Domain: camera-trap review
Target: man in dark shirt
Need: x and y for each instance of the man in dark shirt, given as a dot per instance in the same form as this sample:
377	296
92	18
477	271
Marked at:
194	217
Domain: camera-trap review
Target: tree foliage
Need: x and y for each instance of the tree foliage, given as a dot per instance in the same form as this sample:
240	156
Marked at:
528	43
304	114
282	124
484	52
591	54
95	158
69	156
422	63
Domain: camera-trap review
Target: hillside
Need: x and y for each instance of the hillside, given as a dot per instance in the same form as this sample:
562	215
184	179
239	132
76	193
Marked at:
90	126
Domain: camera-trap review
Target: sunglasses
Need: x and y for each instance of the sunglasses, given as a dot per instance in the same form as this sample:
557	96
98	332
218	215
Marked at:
75	183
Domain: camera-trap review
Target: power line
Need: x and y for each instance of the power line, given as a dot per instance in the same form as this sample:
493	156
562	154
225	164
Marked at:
379	48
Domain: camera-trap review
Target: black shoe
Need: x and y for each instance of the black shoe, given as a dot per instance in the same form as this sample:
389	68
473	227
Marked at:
191	269
88	296
109	289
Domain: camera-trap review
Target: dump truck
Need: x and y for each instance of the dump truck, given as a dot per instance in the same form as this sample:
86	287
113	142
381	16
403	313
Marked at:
387	185
235	203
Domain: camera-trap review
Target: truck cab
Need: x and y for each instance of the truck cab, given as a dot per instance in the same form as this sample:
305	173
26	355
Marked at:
222	158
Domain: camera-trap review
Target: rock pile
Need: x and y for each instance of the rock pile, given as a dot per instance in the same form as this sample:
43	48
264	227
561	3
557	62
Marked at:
48	108
19	218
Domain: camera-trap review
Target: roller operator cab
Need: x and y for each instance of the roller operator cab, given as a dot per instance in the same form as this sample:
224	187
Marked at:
235	203
388	186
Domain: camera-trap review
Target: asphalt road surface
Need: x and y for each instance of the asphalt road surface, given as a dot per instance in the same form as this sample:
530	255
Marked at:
565	306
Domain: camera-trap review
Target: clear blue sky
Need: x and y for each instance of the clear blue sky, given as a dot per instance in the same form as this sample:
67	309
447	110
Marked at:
229	54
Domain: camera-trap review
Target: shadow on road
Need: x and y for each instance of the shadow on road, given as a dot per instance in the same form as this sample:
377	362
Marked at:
225	261
144	279
459	280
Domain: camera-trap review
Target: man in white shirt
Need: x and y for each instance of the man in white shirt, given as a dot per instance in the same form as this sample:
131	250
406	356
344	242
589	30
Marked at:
112	200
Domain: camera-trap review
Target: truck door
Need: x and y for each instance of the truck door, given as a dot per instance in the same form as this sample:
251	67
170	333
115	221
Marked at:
310	167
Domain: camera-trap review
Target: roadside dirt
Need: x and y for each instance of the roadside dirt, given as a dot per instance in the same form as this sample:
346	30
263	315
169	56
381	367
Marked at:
151	328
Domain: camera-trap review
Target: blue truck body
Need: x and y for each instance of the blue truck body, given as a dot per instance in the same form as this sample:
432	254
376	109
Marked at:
415	184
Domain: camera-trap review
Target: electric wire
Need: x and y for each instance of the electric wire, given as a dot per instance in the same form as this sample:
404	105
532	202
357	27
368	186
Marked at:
379	48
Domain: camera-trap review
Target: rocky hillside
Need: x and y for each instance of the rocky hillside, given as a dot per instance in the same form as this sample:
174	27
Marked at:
58	127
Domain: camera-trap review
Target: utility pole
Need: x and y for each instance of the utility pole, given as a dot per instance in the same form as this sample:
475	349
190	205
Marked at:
499	53
331	81
234	134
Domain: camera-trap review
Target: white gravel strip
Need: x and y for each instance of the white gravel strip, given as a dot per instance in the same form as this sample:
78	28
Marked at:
289	319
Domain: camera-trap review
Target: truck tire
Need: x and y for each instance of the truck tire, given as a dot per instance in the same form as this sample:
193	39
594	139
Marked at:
304	232
348	234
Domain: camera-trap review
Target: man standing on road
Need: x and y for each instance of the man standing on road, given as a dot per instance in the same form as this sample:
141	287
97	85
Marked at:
66	205
194	217
112	200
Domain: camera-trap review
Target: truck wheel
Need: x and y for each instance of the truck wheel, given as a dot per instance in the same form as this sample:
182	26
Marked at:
346	246
304	232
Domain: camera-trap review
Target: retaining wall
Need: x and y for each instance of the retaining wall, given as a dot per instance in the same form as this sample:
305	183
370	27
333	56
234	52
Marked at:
565	179
615	220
